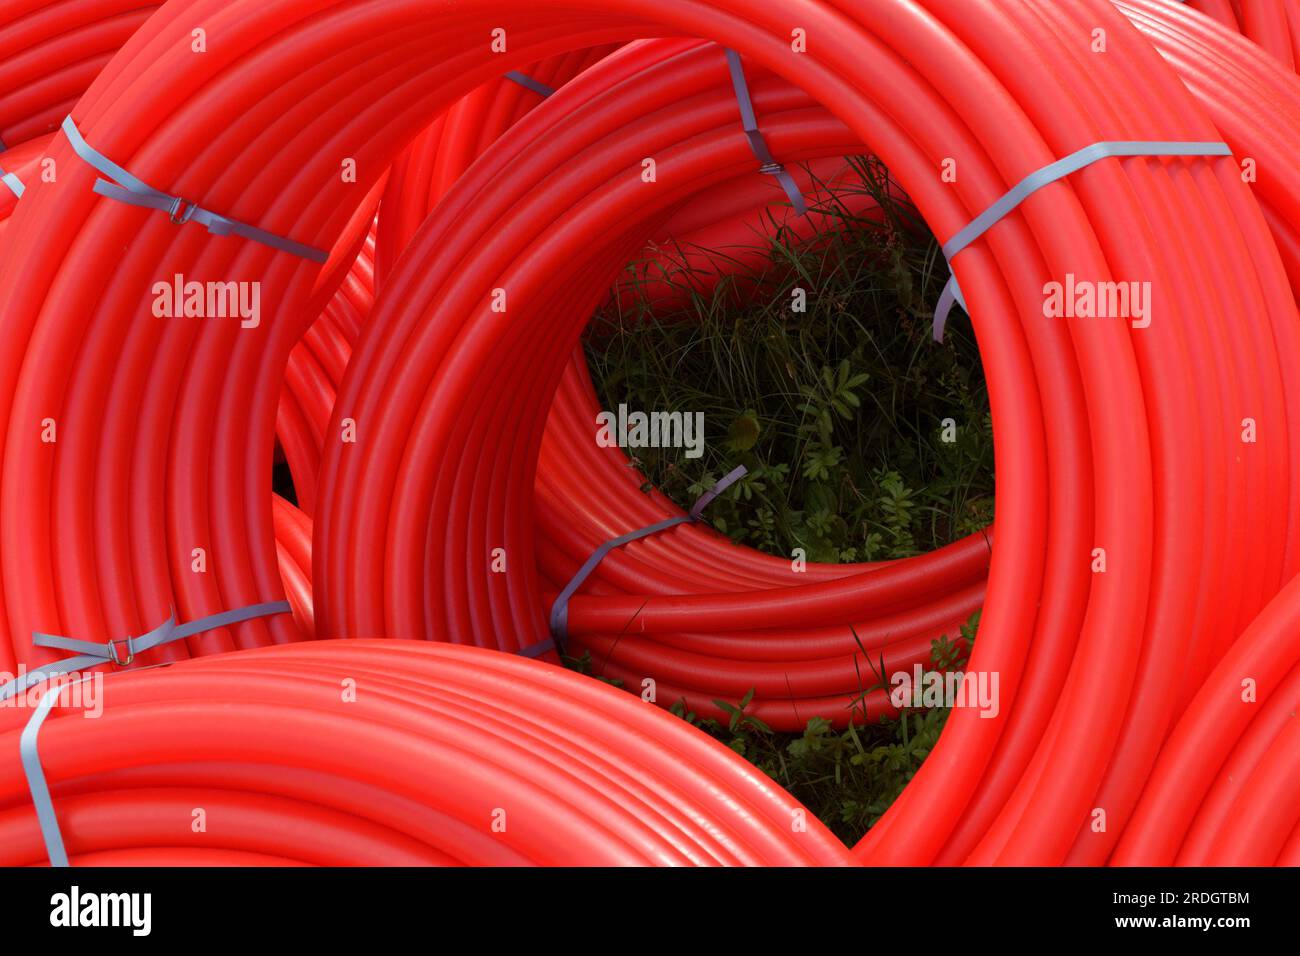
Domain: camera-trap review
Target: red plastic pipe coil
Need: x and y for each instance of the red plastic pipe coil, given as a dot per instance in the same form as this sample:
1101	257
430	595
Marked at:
1136	527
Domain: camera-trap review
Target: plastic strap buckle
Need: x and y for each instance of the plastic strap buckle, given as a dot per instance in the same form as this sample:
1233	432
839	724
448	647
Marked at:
768	164
94	653
177	205
112	653
123	187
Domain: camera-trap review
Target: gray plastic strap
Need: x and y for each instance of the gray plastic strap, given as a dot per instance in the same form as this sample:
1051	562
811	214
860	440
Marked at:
36	783
560	609
122	652
528	83
13	182
126	188
93	653
1045	177
756	142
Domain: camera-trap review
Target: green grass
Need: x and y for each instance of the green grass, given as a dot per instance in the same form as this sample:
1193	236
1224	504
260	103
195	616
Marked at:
838	413
848	778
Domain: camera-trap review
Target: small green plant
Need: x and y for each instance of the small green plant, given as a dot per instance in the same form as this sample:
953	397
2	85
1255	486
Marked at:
582	664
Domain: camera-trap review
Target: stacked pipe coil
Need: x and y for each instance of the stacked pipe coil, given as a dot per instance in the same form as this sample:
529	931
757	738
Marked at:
812	672
395	753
